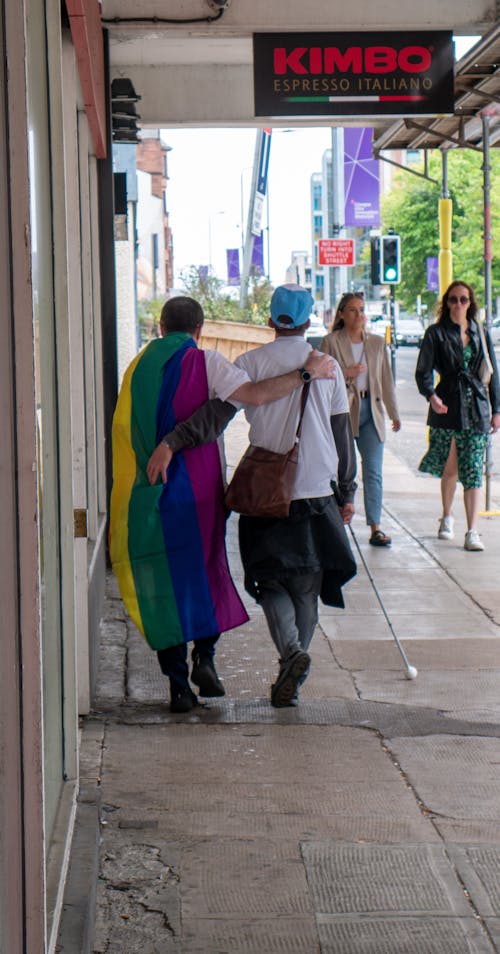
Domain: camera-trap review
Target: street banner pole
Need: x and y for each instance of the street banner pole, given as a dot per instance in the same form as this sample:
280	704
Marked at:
258	192
249	236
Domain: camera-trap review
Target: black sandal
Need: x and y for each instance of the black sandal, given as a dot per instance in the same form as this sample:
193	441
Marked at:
380	539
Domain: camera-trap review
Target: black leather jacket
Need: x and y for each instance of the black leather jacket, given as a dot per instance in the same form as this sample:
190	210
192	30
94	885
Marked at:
442	352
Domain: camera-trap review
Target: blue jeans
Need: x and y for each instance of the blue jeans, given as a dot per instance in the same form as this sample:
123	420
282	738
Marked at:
291	610
371	449
173	661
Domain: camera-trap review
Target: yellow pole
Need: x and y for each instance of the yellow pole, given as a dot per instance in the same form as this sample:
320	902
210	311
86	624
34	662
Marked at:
445	213
445	255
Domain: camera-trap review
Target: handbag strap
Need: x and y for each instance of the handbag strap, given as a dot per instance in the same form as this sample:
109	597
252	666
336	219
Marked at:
484	347
303	400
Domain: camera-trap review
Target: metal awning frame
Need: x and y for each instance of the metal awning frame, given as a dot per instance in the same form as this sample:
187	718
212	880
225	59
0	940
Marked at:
477	87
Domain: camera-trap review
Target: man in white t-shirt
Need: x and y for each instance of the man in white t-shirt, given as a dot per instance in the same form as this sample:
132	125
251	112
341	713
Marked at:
201	599
290	562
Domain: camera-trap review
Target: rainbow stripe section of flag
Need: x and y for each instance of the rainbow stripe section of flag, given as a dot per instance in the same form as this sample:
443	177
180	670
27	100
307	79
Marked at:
167	543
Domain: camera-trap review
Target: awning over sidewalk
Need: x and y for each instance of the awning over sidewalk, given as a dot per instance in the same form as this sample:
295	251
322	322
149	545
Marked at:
477	87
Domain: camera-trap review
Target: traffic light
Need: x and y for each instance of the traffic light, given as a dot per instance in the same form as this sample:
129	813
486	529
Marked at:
390	260
375	259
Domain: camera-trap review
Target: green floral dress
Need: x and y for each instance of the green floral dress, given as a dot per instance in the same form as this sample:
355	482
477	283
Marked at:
470	446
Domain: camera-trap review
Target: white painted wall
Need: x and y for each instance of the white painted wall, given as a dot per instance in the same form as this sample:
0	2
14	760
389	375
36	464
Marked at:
150	220
125	297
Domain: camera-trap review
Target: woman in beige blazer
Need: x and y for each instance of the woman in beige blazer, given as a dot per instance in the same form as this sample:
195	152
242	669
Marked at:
370	386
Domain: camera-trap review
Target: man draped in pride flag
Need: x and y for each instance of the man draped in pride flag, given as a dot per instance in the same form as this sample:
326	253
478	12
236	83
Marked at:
167	541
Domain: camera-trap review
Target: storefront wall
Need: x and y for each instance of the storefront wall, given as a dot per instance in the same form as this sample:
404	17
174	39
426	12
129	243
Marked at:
52	476
22	911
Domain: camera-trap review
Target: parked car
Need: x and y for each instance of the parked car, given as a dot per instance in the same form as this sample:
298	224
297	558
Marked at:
316	331
377	325
409	331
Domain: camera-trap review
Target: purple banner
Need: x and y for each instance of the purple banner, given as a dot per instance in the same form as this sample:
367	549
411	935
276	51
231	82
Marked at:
233	266
431	265
203	273
361	179
258	255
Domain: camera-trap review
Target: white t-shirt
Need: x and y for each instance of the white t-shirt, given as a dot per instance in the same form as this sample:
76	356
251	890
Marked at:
274	425
358	353
223	379
222	376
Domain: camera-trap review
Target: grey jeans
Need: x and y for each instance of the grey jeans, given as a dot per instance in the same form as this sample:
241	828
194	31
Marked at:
291	610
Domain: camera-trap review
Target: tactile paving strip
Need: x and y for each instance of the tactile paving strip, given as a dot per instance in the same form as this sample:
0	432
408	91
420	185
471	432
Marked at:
403	936
391	720
375	879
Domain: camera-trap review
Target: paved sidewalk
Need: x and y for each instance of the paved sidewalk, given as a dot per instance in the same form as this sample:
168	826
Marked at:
365	820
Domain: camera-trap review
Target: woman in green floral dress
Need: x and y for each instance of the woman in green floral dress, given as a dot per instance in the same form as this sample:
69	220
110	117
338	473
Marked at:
462	409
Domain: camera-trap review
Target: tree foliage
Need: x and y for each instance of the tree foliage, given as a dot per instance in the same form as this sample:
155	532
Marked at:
411	208
207	289
218	305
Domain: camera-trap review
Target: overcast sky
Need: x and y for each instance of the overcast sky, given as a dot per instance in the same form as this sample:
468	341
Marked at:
210	172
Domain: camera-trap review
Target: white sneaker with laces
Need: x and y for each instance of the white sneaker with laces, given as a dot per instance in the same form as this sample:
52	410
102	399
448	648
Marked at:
472	541
445	531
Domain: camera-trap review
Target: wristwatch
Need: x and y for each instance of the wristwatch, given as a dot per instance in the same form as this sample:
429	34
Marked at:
165	441
305	375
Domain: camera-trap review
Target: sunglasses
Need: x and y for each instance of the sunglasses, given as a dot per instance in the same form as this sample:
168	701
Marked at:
454	300
348	296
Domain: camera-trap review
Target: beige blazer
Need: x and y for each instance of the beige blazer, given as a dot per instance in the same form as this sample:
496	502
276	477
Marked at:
380	380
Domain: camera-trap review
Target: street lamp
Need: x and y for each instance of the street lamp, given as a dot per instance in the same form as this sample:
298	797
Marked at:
210	218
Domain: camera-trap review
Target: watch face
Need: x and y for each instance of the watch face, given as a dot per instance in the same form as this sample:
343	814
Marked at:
306	376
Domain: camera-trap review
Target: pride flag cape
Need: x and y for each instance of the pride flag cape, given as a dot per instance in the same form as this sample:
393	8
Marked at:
167	543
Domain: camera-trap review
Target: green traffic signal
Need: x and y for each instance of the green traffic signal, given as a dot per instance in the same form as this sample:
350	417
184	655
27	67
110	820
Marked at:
390	259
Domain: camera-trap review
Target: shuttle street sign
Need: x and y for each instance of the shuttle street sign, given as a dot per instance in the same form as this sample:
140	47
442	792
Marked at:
336	252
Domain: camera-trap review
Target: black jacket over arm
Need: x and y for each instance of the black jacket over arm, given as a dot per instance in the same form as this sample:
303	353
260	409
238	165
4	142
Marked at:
344	442
442	352
204	425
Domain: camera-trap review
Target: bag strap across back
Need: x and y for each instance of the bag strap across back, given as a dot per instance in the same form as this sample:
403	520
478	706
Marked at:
303	400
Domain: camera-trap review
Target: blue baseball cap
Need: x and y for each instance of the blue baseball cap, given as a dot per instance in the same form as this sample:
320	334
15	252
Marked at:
293	301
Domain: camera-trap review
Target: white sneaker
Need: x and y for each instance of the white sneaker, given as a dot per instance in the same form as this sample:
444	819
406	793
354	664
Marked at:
445	531
472	541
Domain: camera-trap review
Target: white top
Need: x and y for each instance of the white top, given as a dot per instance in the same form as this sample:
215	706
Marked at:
274	425
223	377
358	353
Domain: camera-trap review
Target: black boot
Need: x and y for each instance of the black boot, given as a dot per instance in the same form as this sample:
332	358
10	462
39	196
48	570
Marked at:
205	676
182	700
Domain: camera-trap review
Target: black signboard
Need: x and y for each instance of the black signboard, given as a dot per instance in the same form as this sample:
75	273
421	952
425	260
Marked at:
353	74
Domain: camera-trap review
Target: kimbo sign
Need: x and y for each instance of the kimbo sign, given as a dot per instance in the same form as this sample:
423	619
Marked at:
346	74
